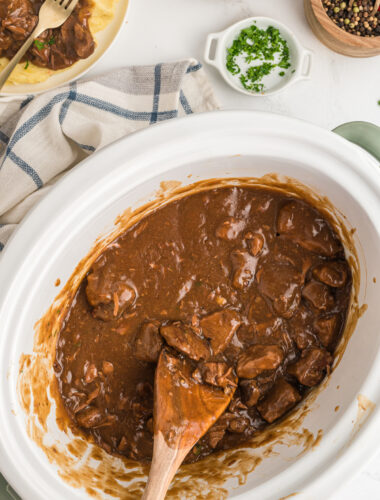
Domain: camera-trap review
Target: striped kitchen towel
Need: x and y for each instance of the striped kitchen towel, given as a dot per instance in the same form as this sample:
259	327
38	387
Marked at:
42	137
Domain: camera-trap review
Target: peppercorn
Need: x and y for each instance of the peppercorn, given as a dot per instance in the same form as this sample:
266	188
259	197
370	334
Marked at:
358	18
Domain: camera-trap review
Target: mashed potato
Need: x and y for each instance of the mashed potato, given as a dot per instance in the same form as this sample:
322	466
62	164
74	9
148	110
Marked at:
102	12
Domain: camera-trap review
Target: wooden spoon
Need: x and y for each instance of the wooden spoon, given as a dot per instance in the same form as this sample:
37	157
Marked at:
184	410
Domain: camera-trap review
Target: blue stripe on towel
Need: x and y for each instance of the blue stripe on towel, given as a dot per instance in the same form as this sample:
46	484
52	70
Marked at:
26	101
1	246
125	113
156	96
26	168
66	104
185	103
34	120
84	146
197	67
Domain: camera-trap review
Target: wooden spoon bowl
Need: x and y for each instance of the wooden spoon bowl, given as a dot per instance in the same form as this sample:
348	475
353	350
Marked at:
337	39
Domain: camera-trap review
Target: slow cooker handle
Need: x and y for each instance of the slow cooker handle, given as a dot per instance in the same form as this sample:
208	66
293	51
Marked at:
364	134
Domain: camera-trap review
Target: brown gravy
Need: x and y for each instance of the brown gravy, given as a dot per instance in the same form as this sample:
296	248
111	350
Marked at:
248	284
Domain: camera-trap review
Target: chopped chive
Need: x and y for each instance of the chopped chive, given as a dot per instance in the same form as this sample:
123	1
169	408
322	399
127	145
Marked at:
40	45
26	65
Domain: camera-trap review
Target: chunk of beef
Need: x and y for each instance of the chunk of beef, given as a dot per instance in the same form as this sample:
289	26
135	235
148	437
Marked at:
333	274
185	340
77	38
148	342
281	284
318	295
90	372
257	359
255	243
326	328
17	22
220	327
289	252
236	405
219	374
107	292
305	339
230	229
312	366
304	225
244	268
259	310
92	418
107	367
238	424
250	392
217	431
281	398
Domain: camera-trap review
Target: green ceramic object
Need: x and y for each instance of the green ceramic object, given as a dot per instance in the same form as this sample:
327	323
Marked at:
364	134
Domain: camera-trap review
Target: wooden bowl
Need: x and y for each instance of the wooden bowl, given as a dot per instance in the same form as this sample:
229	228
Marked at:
337	38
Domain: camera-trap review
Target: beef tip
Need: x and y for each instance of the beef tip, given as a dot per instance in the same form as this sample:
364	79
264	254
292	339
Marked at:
185	340
244	268
259	310
250	392
257	359
289	252
148	343
304	225
217	431
90	372
92	418
318	295
255	243
238	424
18	19
281	284
236	405
77	39
326	328
333	274
230	229
282	397
305	339
220	327
108	293
312	366
107	367
219	374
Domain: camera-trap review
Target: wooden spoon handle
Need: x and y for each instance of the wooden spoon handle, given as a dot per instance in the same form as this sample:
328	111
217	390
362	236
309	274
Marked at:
165	464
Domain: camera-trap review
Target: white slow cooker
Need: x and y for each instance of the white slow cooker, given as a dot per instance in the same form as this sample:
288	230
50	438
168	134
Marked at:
60	231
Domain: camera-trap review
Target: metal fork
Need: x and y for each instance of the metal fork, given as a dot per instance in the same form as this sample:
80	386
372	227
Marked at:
52	14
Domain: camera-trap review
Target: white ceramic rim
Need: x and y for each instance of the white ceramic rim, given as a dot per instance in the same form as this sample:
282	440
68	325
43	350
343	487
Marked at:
302	69
57	206
104	39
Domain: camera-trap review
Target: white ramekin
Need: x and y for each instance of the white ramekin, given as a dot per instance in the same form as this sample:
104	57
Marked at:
216	52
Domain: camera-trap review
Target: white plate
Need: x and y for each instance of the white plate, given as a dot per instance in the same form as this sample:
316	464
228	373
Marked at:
104	40
63	227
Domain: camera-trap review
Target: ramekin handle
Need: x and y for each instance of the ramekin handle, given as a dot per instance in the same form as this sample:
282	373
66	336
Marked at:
306	63
210	39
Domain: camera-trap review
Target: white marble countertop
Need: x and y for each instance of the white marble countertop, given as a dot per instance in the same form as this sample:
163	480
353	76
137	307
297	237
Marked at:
341	89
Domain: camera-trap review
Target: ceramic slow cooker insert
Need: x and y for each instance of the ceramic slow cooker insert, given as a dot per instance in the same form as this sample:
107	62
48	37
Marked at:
61	230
